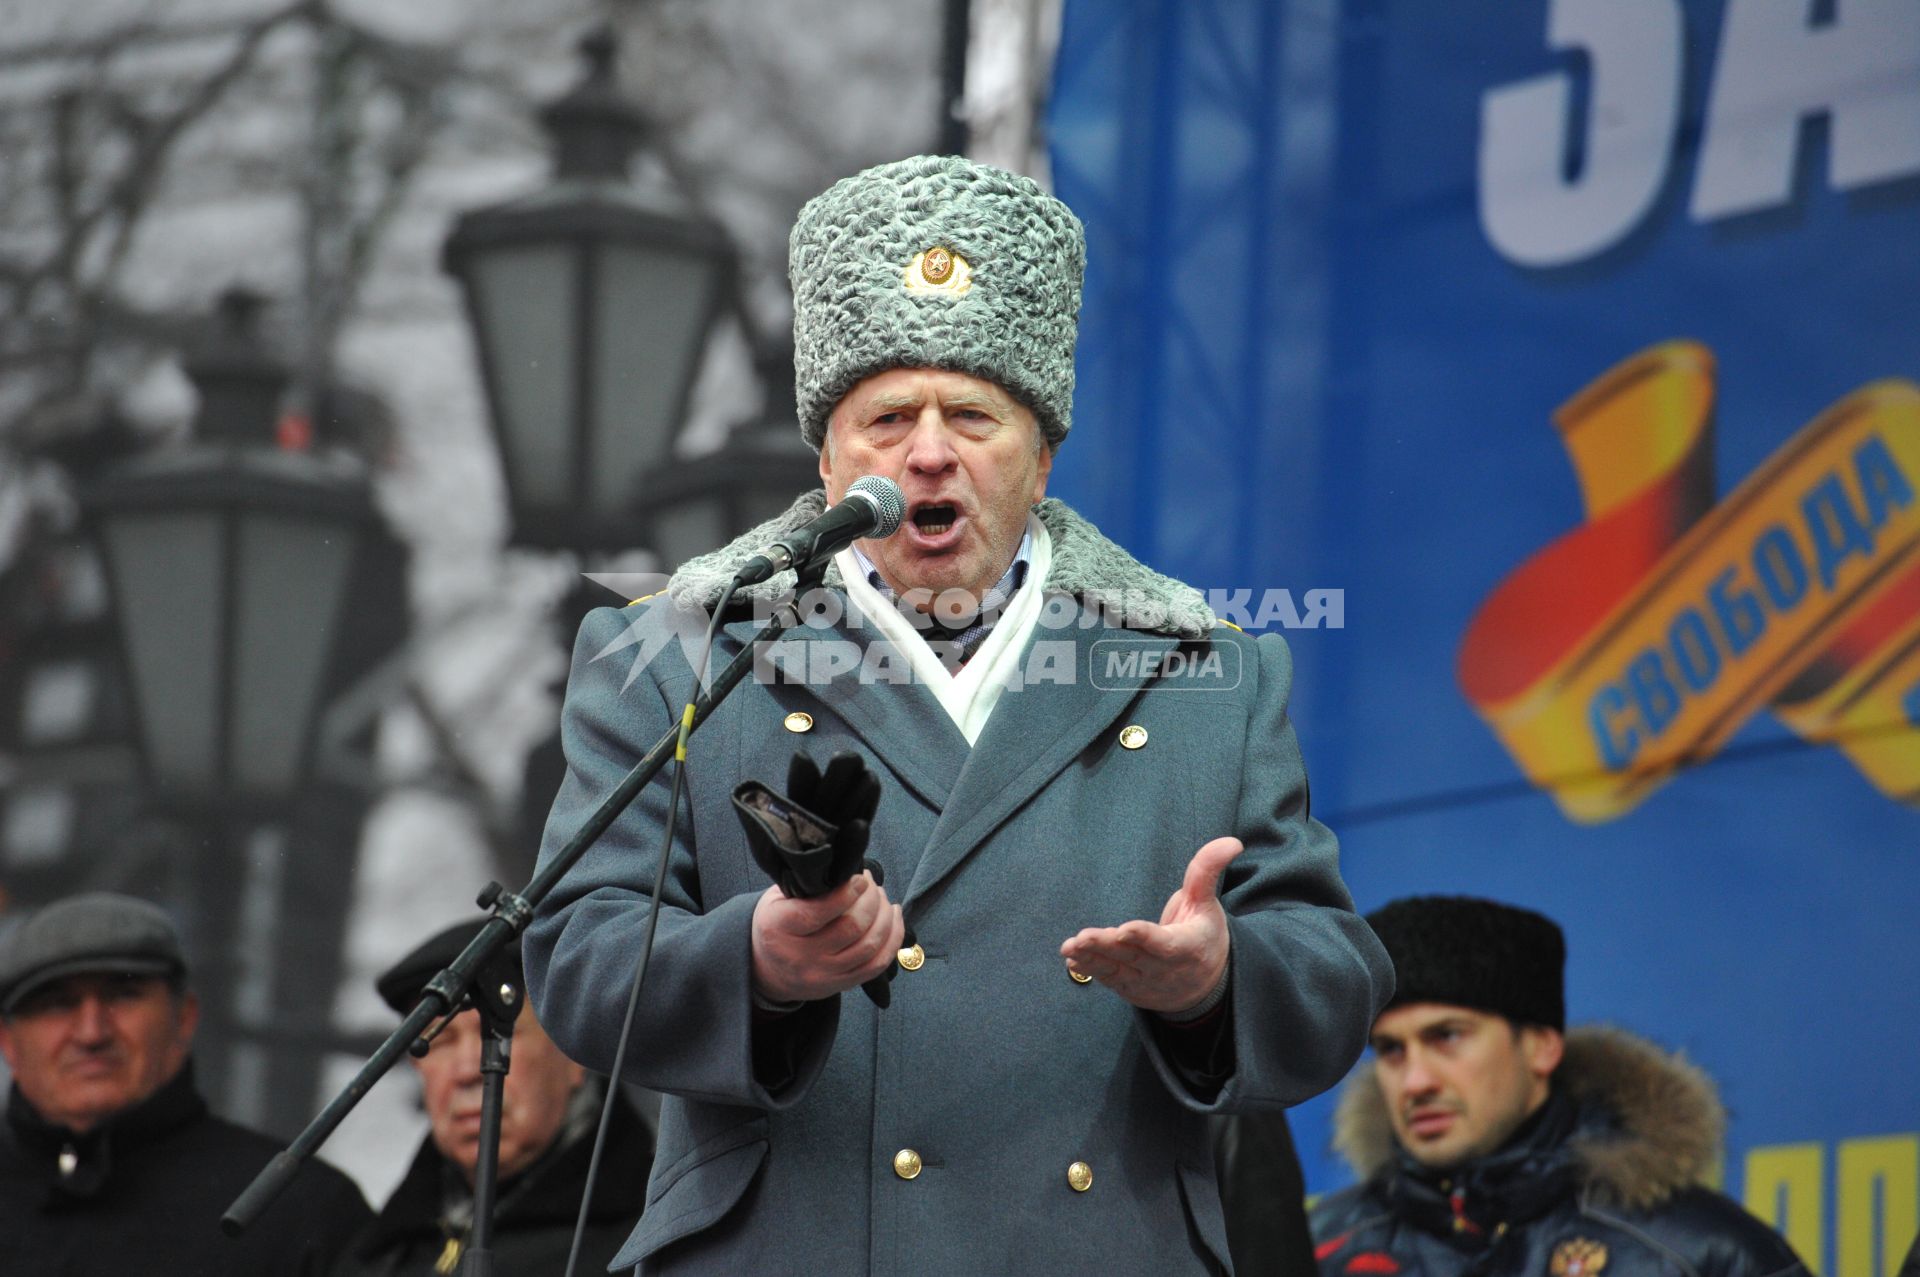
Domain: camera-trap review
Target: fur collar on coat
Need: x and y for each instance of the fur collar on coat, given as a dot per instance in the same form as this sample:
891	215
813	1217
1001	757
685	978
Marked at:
1086	565
1665	1134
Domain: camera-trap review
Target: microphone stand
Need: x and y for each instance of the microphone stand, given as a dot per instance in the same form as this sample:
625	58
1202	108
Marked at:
499	1007
512	911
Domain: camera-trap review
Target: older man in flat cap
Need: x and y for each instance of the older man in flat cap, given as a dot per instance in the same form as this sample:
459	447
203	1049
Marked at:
110	1161
1107	911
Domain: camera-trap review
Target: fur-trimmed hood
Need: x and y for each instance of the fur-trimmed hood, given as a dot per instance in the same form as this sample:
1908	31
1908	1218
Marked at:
1663	1134
1086	565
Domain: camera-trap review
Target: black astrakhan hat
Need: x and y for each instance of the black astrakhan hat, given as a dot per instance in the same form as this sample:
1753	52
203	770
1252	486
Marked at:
1476	953
401	984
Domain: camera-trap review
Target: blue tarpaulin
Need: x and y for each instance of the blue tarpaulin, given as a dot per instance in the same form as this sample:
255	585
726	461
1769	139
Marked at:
1572	346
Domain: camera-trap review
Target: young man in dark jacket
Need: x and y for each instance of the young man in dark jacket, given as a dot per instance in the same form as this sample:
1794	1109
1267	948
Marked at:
1490	1141
110	1161
548	1114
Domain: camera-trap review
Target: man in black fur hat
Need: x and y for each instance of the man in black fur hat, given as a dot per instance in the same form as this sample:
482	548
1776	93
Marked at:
1490	1140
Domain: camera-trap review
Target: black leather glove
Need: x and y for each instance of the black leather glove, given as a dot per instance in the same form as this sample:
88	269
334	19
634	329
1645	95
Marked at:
815	838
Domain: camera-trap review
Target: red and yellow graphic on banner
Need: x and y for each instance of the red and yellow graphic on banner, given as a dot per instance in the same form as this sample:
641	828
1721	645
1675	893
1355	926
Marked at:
1637	644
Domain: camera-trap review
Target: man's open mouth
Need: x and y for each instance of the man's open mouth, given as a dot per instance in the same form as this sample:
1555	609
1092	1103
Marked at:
934	519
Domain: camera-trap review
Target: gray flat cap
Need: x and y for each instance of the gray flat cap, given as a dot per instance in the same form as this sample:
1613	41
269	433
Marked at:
96	933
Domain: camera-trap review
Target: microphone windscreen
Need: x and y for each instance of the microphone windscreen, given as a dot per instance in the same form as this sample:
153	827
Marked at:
889	503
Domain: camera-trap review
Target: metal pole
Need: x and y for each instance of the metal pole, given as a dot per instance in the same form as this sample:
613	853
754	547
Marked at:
495	1055
958	33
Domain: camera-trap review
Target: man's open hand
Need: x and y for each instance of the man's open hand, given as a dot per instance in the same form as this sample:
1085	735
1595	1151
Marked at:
804	950
1171	965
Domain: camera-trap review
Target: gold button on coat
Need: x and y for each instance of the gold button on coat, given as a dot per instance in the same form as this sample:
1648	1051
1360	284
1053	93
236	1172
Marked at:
1079	977
906	1163
1080	1177
799	721
913	957
1132	736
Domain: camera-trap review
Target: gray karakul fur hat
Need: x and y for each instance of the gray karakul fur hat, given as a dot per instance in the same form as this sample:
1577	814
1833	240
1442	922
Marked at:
936	262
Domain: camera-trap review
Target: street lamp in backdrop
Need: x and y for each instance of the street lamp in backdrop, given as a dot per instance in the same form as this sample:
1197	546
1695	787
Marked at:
229	562
591	302
692	505
239	571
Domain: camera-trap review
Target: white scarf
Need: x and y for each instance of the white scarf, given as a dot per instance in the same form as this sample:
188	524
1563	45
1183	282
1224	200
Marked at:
969	694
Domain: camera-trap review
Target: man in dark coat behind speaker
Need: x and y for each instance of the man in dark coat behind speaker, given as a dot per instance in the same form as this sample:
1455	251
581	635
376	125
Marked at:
548	1114
1263	1195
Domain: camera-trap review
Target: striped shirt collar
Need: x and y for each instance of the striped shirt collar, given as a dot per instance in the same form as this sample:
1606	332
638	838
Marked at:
969	636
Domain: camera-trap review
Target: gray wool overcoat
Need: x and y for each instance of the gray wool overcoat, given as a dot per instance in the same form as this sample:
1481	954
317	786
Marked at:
992	1065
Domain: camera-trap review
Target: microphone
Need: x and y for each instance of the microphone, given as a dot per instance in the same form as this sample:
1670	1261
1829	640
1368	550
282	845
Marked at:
872	507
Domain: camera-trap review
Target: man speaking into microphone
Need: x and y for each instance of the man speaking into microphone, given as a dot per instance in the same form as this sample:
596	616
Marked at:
1104	905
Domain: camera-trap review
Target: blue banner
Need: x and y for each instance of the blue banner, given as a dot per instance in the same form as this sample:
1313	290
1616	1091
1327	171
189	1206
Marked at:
1551	371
